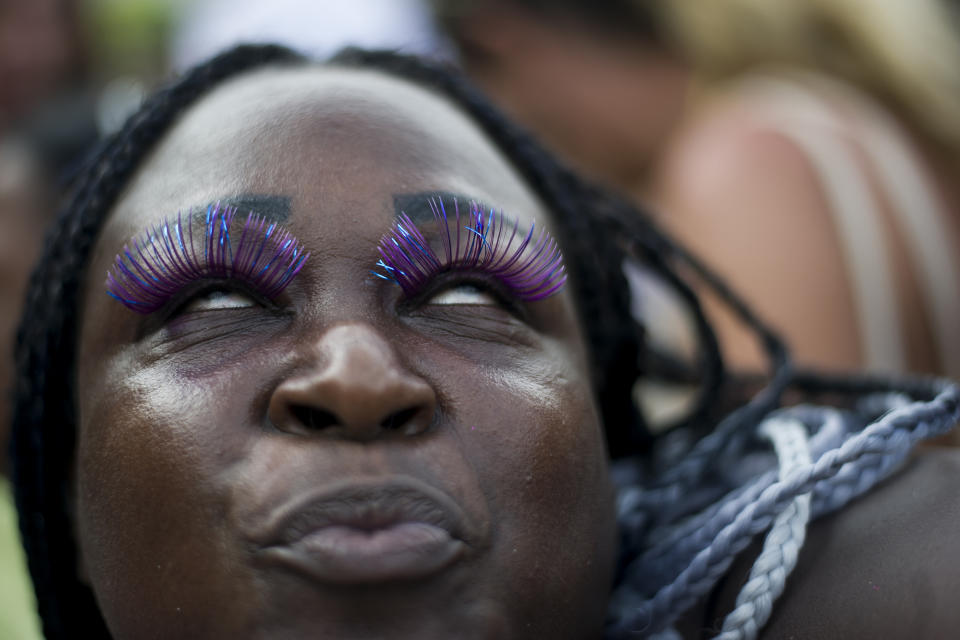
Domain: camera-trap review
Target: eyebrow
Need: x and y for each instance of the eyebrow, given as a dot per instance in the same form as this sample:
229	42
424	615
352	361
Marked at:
274	208
270	207
417	205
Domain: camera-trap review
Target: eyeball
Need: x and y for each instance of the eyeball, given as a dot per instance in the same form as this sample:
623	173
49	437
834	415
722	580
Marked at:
219	299
464	294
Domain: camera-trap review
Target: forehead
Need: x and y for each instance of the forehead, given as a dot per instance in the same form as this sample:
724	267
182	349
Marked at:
339	140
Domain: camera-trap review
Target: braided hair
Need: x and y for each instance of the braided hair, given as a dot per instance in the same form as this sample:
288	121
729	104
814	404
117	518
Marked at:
663	568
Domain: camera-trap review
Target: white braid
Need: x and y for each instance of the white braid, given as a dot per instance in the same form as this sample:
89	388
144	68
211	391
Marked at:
782	544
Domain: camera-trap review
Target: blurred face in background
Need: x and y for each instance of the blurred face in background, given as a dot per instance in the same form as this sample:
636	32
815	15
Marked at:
605	98
38	50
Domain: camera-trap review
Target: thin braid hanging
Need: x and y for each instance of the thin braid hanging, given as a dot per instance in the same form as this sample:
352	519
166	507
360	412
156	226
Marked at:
781	547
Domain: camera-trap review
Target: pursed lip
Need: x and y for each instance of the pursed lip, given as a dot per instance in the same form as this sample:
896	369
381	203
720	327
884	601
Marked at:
365	532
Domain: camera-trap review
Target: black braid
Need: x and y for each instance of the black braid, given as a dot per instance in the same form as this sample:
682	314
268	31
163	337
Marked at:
597	231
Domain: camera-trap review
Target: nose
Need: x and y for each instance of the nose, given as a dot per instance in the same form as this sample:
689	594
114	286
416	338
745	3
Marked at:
354	388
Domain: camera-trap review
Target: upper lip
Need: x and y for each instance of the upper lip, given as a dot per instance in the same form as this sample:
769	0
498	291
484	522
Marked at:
362	504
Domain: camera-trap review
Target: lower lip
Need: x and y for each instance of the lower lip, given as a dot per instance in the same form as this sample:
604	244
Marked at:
346	555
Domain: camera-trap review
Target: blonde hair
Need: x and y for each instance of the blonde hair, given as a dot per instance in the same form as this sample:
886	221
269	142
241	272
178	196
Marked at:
905	52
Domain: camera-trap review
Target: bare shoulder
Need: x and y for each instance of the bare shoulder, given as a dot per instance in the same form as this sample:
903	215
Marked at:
727	136
747	199
886	566
720	152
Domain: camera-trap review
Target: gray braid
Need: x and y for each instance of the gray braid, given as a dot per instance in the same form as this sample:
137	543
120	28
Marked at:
850	452
781	547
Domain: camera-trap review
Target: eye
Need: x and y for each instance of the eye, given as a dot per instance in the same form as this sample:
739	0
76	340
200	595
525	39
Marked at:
217	299
524	267
465	293
156	268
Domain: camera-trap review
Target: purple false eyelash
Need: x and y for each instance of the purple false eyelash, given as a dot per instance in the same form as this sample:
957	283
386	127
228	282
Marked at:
153	268
532	270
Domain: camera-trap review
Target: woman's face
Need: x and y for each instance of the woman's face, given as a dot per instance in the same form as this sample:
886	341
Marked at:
343	460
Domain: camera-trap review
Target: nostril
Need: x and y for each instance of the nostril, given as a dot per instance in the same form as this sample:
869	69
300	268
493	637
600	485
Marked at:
399	419
306	419
314	419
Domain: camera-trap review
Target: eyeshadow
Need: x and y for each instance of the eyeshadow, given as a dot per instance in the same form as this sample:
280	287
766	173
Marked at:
274	208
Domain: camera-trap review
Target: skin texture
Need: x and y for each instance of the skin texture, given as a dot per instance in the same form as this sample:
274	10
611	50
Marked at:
191	428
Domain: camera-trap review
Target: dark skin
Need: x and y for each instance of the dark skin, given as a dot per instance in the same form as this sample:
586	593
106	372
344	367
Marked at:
191	432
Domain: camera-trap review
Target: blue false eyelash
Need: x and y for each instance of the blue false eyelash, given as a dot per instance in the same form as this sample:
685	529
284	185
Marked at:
153	268
530	270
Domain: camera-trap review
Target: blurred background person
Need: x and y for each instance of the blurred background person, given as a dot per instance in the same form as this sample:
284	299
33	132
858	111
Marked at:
40	54
806	148
24	201
45	119
68	69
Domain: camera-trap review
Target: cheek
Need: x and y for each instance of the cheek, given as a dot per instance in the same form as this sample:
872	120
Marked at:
151	459
538	445
549	436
